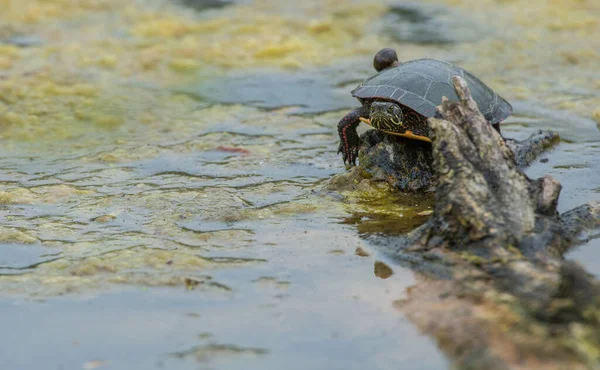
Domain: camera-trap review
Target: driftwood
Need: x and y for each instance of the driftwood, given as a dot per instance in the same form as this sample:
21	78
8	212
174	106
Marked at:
495	290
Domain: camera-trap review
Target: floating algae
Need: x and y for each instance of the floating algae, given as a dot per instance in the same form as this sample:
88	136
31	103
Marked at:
192	214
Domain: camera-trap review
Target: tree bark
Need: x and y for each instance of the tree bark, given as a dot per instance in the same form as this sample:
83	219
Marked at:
496	292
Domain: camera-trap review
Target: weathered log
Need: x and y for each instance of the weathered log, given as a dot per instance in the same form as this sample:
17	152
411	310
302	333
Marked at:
496	290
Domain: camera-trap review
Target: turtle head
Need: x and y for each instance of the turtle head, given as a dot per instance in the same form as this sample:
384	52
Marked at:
385	58
386	116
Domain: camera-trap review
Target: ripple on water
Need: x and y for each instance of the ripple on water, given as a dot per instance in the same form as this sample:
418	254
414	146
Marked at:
204	191
432	24
306	91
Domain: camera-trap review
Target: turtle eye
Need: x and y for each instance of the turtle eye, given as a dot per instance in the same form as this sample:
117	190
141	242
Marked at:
391	109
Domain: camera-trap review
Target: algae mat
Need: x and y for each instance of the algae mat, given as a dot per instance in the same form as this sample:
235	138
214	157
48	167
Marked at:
161	200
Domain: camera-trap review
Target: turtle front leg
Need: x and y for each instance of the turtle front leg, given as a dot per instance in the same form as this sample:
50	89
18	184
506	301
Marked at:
349	140
497	127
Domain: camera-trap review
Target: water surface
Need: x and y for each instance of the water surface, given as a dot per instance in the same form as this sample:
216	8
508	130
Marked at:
162	169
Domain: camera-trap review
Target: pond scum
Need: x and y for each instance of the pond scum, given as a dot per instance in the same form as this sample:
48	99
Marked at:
95	80
89	48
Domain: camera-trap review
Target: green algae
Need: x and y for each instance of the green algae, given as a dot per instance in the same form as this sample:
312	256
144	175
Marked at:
135	183
137	265
139	184
165	43
520	50
11	235
376	207
205	352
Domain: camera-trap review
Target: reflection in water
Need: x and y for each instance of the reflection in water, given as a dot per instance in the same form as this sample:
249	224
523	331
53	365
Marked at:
386	212
369	224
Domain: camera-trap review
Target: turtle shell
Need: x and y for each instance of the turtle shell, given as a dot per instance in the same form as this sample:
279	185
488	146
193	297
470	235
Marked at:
420	84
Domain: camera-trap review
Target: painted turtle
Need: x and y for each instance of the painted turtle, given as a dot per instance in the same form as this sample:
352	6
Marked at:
402	96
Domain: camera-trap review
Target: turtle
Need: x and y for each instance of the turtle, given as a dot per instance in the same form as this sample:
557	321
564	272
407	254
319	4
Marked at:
400	98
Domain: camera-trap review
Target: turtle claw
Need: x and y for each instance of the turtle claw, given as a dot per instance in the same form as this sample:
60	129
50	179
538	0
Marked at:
349	140
352	156
349	155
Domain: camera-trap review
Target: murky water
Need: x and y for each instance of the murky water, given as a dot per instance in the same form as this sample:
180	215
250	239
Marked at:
162	165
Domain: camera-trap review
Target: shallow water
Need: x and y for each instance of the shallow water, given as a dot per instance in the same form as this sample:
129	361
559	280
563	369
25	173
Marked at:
162	172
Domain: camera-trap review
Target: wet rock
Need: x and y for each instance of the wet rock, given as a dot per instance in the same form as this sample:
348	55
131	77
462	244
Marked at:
382	271
407	165
356	179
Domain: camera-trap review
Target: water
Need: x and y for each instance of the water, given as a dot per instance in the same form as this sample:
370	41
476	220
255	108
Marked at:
161	175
